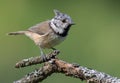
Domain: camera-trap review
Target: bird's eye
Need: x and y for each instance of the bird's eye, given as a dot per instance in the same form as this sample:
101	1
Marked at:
63	20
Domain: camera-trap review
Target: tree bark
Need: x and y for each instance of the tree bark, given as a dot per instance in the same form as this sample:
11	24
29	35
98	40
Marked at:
54	65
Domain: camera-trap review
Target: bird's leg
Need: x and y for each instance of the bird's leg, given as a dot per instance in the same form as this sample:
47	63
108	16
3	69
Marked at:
43	56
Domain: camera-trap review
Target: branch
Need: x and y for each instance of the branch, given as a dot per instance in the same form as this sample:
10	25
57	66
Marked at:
54	65
36	60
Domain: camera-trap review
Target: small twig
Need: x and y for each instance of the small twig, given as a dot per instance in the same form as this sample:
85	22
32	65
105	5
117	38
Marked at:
55	65
36	60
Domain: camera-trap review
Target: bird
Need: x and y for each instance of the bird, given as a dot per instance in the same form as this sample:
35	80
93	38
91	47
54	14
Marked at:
50	33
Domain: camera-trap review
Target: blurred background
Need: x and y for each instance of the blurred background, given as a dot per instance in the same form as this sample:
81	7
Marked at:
93	42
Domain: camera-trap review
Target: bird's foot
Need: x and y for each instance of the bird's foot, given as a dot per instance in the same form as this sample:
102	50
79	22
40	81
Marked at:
43	57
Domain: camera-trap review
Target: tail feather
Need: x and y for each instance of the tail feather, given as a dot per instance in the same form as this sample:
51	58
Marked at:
17	33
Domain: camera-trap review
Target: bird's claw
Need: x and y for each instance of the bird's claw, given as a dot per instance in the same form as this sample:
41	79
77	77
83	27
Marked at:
44	58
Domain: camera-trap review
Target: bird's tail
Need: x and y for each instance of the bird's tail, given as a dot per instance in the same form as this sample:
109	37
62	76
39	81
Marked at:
17	33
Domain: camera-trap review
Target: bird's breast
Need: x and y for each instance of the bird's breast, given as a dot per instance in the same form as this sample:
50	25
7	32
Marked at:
51	40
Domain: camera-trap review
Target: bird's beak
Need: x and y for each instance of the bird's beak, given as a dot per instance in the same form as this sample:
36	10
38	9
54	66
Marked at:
72	24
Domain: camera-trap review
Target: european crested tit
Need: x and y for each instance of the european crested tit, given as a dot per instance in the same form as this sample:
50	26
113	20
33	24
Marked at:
49	33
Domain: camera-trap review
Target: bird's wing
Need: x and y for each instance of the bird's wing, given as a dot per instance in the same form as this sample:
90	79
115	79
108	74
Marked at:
41	28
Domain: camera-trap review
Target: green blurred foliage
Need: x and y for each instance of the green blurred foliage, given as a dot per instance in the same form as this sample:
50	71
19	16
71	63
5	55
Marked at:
93	42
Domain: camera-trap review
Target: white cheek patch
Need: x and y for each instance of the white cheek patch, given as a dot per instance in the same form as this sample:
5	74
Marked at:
56	29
